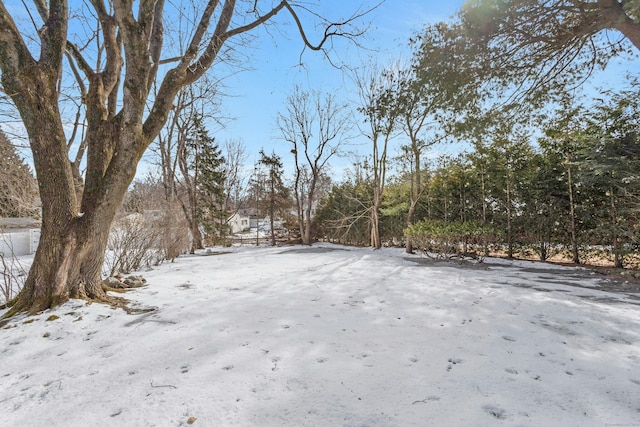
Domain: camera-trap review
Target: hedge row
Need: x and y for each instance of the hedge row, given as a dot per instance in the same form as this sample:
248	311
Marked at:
452	239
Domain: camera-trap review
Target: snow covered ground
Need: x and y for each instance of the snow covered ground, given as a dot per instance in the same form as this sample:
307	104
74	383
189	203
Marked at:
332	336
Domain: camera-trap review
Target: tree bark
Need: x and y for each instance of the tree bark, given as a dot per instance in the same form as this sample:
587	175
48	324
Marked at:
68	262
416	189
572	211
375	220
509	222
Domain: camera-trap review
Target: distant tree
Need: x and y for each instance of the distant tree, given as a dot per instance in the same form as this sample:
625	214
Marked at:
344	214
206	168
316	126
197	102
435	99
545	209
380	114
510	156
18	187
417	109
452	190
175	148
564	139
235	155
277	194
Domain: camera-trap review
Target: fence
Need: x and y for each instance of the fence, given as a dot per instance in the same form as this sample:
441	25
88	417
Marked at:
18	243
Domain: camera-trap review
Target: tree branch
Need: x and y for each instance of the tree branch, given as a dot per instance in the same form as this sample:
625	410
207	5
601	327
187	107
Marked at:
14	54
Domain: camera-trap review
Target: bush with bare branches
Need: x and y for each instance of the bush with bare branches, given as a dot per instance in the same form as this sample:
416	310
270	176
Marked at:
12	275
139	240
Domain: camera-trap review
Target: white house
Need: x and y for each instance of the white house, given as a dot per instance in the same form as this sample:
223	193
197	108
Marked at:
239	222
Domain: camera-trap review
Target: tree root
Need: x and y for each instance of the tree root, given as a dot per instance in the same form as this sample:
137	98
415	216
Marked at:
122	285
121	303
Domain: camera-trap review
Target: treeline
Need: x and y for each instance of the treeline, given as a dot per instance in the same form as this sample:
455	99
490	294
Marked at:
572	192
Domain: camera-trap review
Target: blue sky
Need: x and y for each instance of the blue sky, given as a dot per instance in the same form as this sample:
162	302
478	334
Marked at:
254	97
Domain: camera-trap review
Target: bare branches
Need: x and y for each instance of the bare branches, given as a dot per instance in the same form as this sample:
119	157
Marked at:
221	34
312	114
332	29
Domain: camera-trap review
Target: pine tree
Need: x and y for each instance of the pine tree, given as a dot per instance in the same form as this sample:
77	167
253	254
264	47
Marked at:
277	194
18	187
208	169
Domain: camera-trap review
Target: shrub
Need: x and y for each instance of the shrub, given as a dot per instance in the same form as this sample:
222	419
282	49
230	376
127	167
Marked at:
12	275
139	240
132	243
446	240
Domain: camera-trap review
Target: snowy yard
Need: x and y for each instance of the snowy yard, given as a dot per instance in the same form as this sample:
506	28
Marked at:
332	336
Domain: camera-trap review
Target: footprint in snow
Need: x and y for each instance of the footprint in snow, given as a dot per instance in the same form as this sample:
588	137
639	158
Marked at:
275	361
452	362
508	338
495	411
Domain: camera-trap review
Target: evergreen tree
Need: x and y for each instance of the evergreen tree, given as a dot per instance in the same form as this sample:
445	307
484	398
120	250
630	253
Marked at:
545	211
278	199
510	156
207	169
610	168
344	216
18	187
564	139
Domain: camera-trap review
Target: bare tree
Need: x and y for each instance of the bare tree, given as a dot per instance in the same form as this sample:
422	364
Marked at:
235	155
316	126
417	104
123	115
375	87
192	105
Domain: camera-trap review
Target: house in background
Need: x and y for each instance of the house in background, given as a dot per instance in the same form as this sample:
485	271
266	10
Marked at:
239	222
19	236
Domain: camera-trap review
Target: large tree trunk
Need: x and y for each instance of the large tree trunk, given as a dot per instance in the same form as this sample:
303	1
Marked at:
67	264
73	240
68	261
